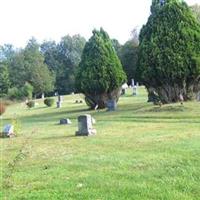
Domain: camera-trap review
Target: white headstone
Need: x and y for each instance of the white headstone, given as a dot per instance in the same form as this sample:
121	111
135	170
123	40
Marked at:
8	130
134	90
85	126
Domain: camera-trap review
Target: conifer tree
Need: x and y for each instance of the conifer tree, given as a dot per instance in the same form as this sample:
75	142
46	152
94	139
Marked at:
169	51
100	74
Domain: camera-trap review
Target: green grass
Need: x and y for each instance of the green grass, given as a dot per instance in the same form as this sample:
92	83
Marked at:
140	151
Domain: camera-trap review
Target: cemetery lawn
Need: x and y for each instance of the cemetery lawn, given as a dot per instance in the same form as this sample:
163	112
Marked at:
141	151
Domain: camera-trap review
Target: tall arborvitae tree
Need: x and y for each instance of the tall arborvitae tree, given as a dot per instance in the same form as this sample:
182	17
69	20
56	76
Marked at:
169	51
100	74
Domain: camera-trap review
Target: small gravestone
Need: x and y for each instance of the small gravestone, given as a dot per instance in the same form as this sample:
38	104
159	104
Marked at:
61	98
198	96
59	104
8	130
135	90
132	82
85	126
65	121
111	105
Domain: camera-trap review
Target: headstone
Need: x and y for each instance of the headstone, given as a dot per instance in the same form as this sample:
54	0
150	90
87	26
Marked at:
181	98
59	104
8	130
198	96
85	126
65	121
134	90
111	105
42	95
132	82
61	98
96	107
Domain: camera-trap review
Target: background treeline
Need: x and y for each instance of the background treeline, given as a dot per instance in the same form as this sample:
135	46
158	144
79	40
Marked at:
51	67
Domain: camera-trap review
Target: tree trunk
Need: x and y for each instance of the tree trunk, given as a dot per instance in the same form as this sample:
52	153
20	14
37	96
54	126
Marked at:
100	100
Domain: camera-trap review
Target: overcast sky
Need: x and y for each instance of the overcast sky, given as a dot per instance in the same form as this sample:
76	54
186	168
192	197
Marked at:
52	19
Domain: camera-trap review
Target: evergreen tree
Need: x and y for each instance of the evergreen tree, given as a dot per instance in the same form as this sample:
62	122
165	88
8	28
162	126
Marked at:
128	55
4	80
100	74
169	51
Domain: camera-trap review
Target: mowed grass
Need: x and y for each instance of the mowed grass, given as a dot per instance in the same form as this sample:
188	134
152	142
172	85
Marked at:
140	151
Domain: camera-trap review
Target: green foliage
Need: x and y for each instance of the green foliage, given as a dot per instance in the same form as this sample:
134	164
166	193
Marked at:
4	80
38	73
27	65
15	94
49	102
2	108
169	51
27	90
100	70
22	93
63	60
129	55
30	104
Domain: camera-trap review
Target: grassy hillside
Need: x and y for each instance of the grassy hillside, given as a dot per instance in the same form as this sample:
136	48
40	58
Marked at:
140	151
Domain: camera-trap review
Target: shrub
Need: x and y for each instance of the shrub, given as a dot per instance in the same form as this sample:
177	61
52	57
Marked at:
14	94
2	108
27	90
49	102
31	104
21	93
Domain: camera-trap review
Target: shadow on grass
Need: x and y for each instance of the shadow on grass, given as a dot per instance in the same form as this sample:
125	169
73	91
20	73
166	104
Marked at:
46	117
59	137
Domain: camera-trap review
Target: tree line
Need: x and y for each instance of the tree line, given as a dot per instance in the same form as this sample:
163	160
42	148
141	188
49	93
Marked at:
51	67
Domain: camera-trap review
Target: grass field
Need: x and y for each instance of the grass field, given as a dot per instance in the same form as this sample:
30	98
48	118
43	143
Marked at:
140	152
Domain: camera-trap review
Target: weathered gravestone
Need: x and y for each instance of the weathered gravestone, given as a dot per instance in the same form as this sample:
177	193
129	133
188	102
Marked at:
135	90
85	126
198	96
8	130
111	105
65	121
59	104
60	98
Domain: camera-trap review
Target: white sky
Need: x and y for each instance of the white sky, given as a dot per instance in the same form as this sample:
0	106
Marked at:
52	19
